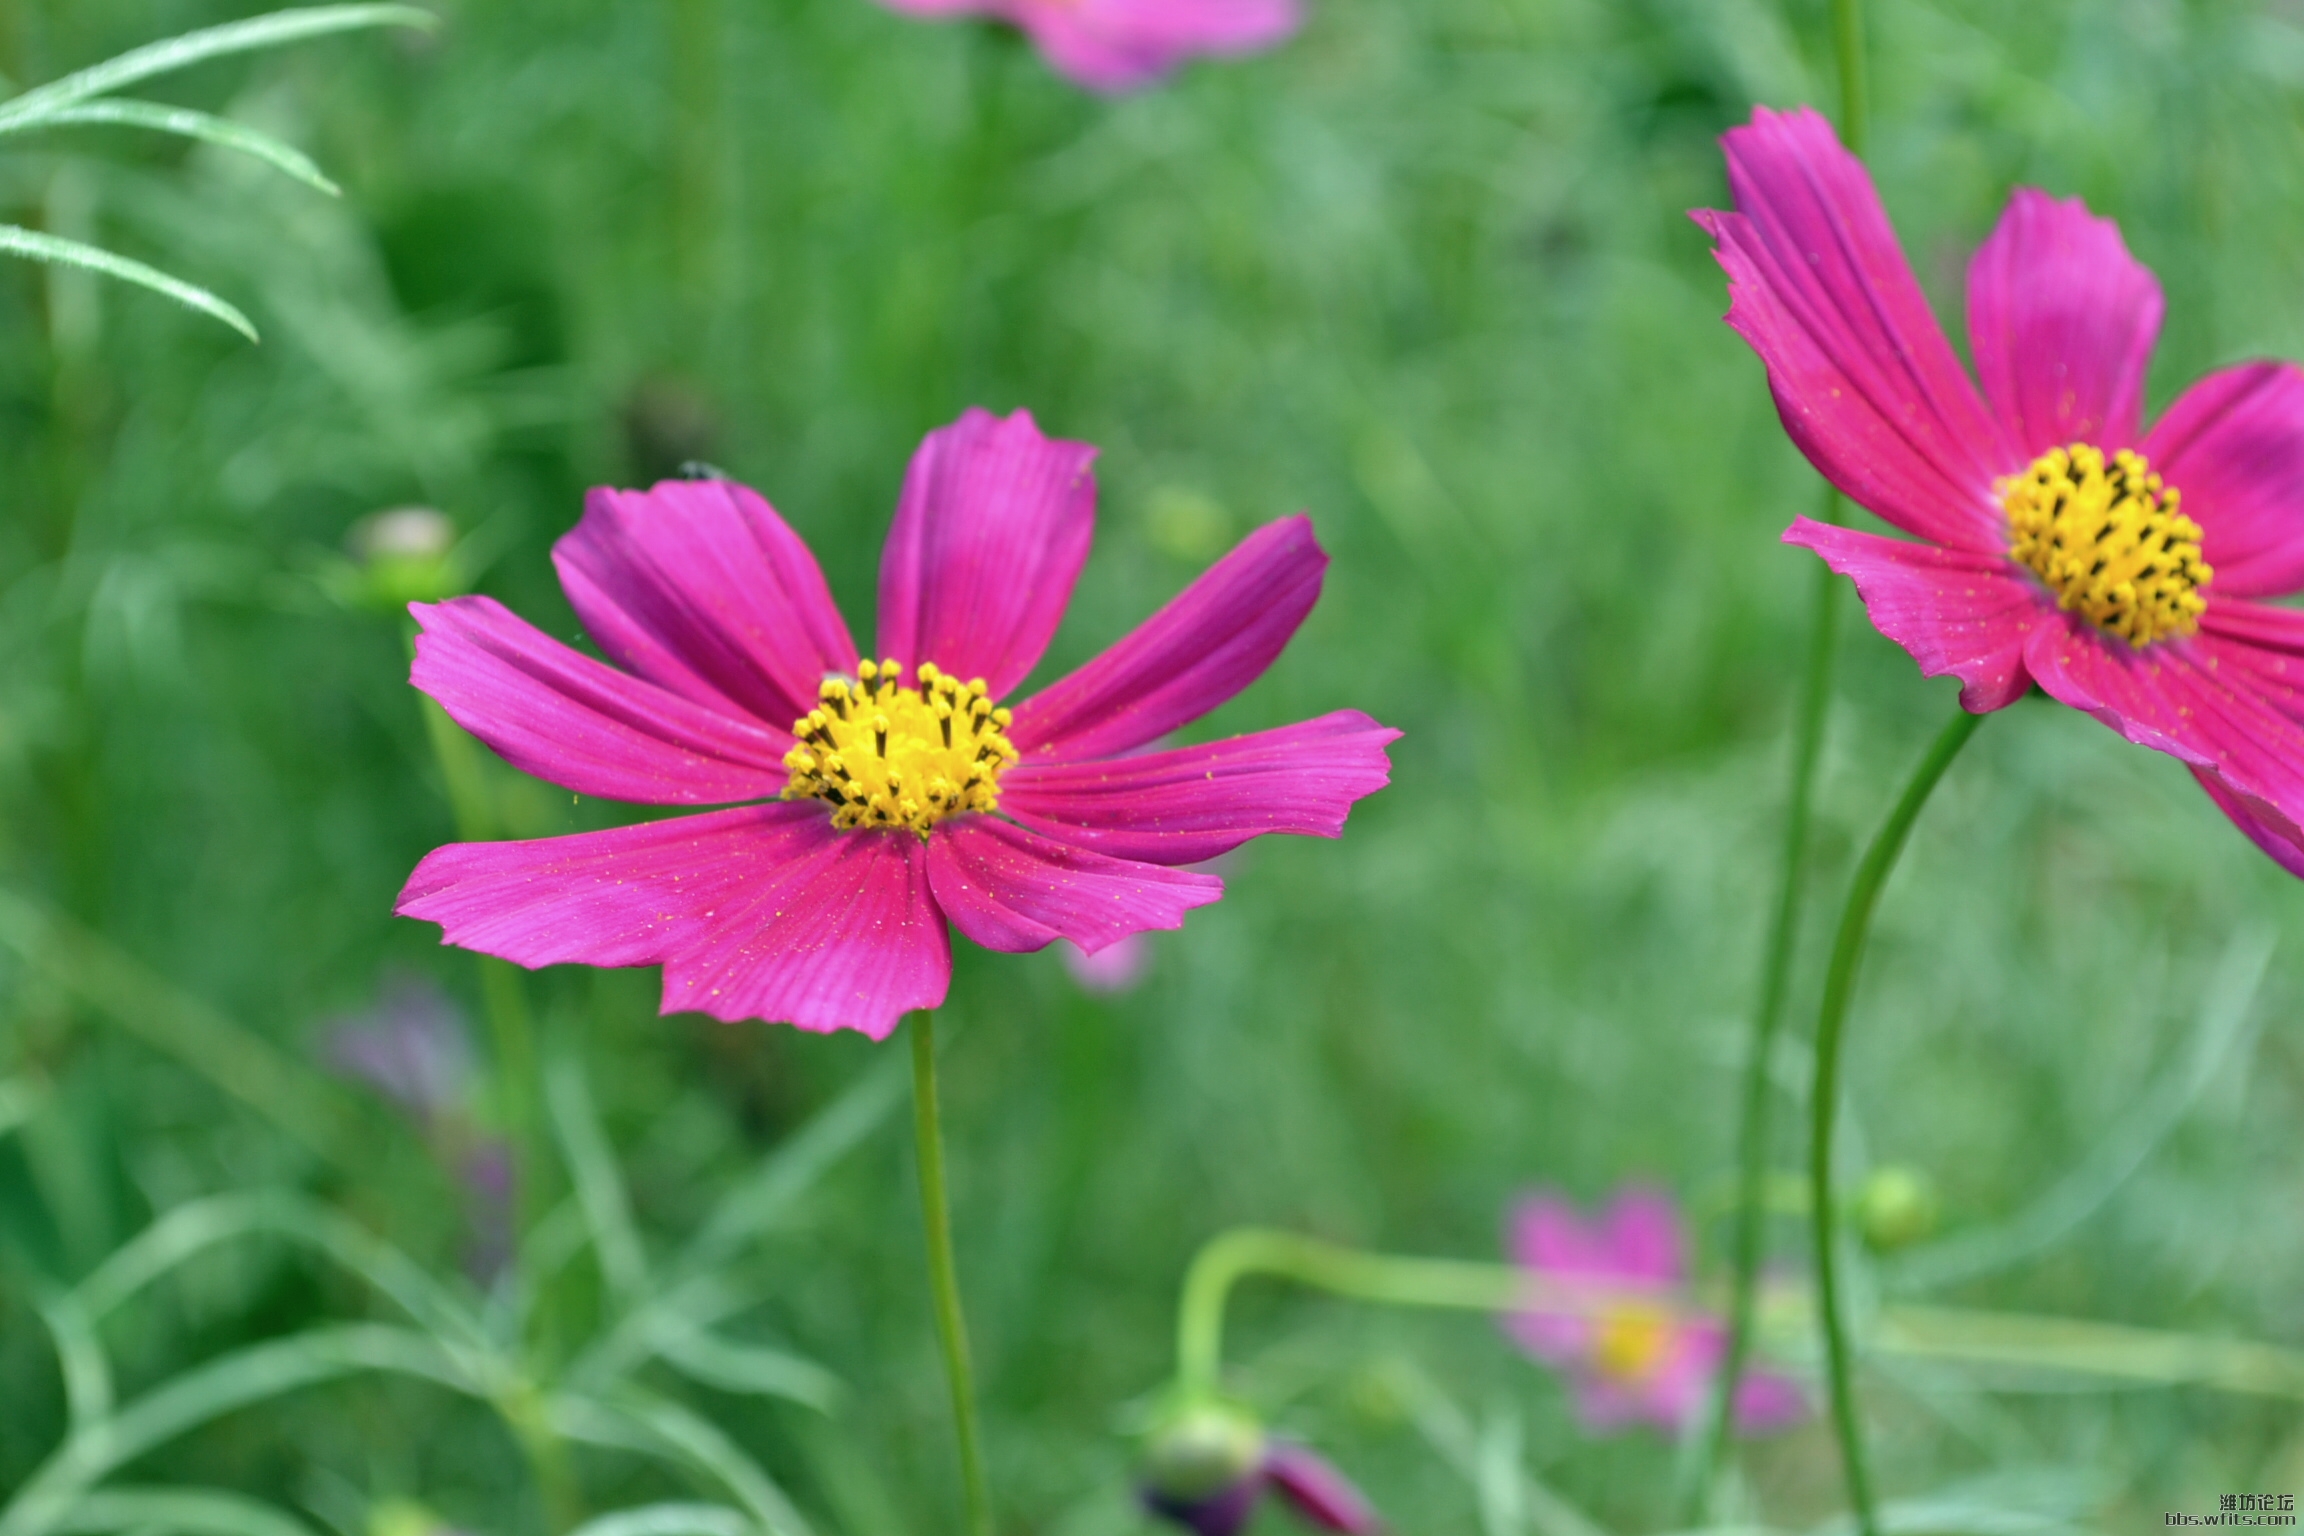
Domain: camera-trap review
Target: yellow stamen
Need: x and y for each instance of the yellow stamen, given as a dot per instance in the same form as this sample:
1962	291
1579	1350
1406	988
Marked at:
884	754
1630	1340
2109	542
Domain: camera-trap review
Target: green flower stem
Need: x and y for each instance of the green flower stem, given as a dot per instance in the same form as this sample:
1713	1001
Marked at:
943	1276
1791	888
1824	1098
1754	1125
1325	1266
2021	1341
1848	53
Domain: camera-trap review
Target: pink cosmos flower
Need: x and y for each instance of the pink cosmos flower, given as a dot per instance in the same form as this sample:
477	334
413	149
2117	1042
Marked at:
1122	45
2055	540
1636	1349
873	801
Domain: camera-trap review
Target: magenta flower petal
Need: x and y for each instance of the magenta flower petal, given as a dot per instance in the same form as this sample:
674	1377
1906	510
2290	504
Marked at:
1121	45
1863	377
1212	640
560	715
2234	444
1548	1237
2278	848
1320	1493
1957	612
1118	967
2186	701
1641	1233
1124	45
1194	803
699	587
2062	321
991	532
1010	889
762	911
849	939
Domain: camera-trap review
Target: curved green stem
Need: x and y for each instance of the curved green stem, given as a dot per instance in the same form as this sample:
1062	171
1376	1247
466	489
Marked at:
1754	1123
1345	1271
1824	1098
943	1275
1791	891
1848	52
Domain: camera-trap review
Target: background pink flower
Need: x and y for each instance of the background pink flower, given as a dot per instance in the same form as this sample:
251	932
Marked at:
824	901
2055	540
1640	1351
1123	45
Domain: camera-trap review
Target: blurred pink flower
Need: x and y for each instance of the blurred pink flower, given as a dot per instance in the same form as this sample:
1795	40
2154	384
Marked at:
1635	1347
1123	45
2054	539
1117	967
873	785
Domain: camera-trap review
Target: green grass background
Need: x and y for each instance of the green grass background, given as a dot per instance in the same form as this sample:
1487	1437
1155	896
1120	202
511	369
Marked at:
1425	273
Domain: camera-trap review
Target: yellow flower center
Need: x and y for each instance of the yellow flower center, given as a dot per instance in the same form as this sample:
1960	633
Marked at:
2109	542
889	754
1631	1339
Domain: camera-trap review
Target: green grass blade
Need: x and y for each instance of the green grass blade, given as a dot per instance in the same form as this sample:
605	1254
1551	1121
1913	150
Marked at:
258	32
178	1511
641	1421
753	1370
17	241
186	1402
788	1172
20	1100
599	1187
670	1520
87	1374
228	1054
198	1226
185	123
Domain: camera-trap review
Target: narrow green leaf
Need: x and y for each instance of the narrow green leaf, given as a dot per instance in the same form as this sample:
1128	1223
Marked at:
199	1225
178	1511
20	1100
599	1187
230	1055
186	123
186	1402
670	1520
750	1369
641	1421
71	253
87	1374
788	1172
176	53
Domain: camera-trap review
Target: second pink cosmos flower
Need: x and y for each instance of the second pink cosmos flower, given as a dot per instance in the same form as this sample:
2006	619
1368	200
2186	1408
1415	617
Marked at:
1124	45
873	801
2055	539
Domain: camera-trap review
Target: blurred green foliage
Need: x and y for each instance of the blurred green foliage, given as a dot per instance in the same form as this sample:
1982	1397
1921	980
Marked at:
1424	272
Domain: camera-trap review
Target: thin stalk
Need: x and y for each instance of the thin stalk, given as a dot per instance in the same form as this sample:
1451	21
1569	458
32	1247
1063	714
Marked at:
1848	52
1755	1127
1365	1276
943	1275
1791	893
1824	1098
